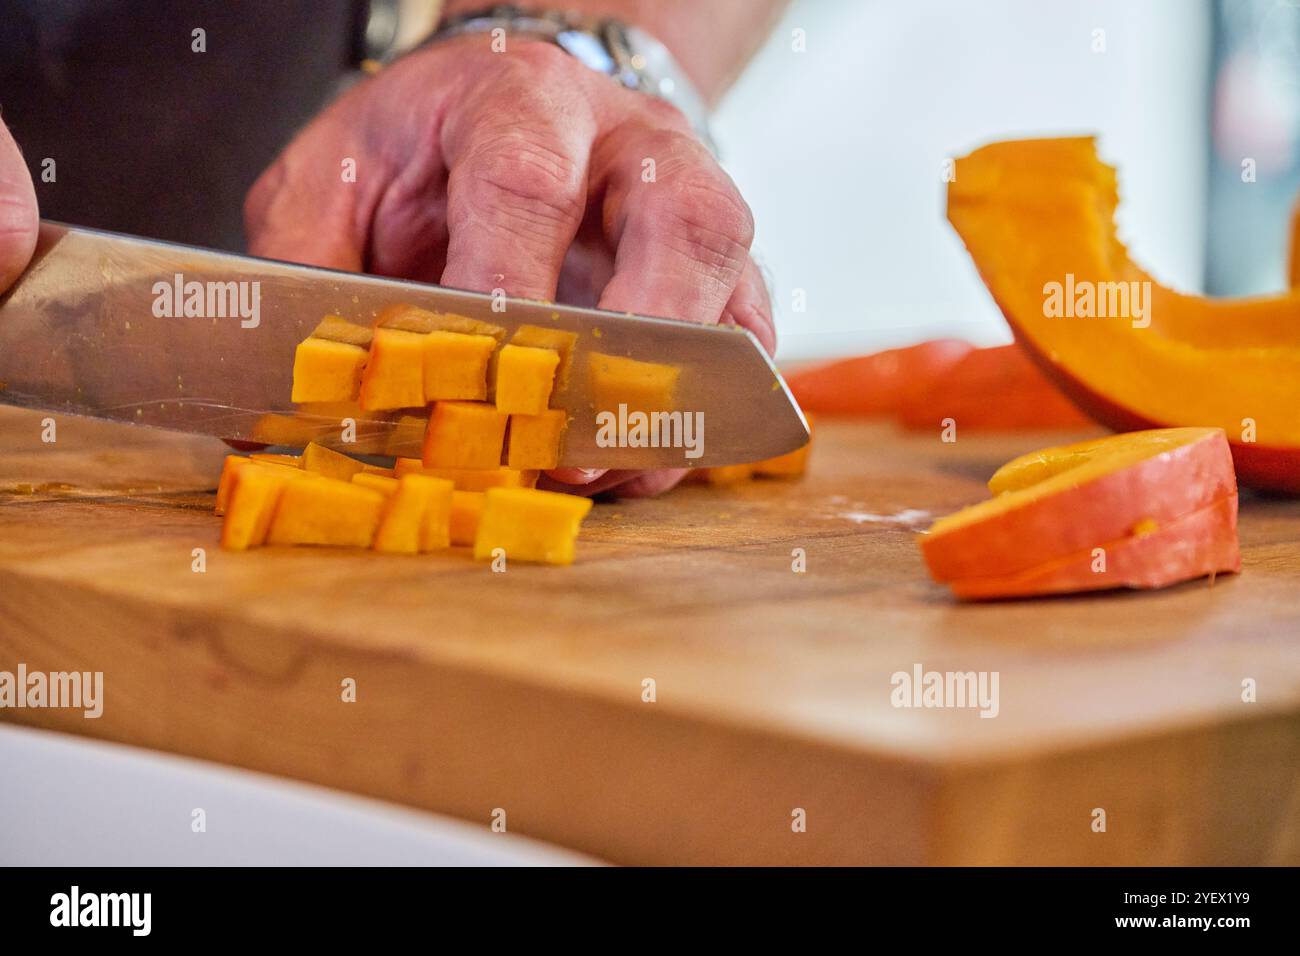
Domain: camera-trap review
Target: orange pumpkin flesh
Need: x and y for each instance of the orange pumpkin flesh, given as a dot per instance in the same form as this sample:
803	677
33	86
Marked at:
1057	505
994	389
1041	212
878	384
1293	273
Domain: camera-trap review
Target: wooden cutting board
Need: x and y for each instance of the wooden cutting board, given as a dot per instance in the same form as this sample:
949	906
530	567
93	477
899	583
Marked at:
524	691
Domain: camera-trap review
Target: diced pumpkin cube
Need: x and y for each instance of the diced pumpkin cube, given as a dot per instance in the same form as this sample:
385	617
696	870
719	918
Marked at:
276	429
435	525
330	463
535	439
315	510
466	510
524	379
464	435
255	491
325	371
470	479
381	470
530	525
790	465
415	517
728	474
232	464
394	376
407	436
293	461
337	329
409	318
380	483
557	340
641	386
455	365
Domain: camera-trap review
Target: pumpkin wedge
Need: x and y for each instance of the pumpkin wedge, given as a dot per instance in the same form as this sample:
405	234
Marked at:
1037	217
1293	273
879	384
1136	496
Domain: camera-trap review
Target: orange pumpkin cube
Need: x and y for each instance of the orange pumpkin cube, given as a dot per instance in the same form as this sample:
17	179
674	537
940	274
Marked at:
790	465
557	340
464	435
470	479
524	379
275	429
315	510
407	436
455	365
415	517
232	464
326	371
328	462
530	525
337	329
255	491
383	484
535	439
466	510
394	376
641	386
728	474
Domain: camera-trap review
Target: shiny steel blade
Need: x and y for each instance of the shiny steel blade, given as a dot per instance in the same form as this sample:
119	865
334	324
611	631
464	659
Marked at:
85	331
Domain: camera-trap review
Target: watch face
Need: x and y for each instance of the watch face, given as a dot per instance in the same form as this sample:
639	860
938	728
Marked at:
587	49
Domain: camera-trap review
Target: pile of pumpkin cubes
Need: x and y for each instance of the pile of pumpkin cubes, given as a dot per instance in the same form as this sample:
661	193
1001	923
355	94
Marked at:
458	492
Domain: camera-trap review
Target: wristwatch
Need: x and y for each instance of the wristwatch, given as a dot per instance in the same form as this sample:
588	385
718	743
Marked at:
625	53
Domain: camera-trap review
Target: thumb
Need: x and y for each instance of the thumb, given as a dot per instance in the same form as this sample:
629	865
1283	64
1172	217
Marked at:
19	219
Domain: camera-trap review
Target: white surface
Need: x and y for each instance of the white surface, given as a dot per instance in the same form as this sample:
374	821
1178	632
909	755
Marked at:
68	801
839	149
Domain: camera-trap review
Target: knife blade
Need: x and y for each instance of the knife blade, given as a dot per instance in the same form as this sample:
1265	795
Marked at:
164	335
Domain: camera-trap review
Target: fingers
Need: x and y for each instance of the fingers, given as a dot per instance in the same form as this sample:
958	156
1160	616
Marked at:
750	307
19	219
314	204
680	227
517	185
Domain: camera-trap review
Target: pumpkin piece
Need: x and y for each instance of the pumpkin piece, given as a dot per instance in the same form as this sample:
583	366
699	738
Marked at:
323	511
790	465
470	479
383	484
464	435
1193	546
337	329
330	463
466	510
325	371
641	386
993	389
1037	218
880	384
407	436
229	466
455	365
1057	504
530	525
254	493
557	340
276	429
383	471
266	458
407	525
409	318
435	522
394	376
535	440
727	474
524	379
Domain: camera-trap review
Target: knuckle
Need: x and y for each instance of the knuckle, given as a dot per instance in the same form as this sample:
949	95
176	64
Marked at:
526	175
705	213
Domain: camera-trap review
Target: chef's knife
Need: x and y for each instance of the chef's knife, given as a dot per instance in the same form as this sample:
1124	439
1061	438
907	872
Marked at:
172	336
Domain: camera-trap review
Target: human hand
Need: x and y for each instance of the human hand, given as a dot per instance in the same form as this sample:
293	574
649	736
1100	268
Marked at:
19	219
526	171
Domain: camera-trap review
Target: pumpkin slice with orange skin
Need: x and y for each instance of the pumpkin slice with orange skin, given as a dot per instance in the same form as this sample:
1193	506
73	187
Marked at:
874	385
1038	215
1060	503
1196	545
1293	272
992	389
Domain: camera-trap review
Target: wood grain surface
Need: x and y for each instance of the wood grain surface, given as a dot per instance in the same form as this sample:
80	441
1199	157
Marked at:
523	691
